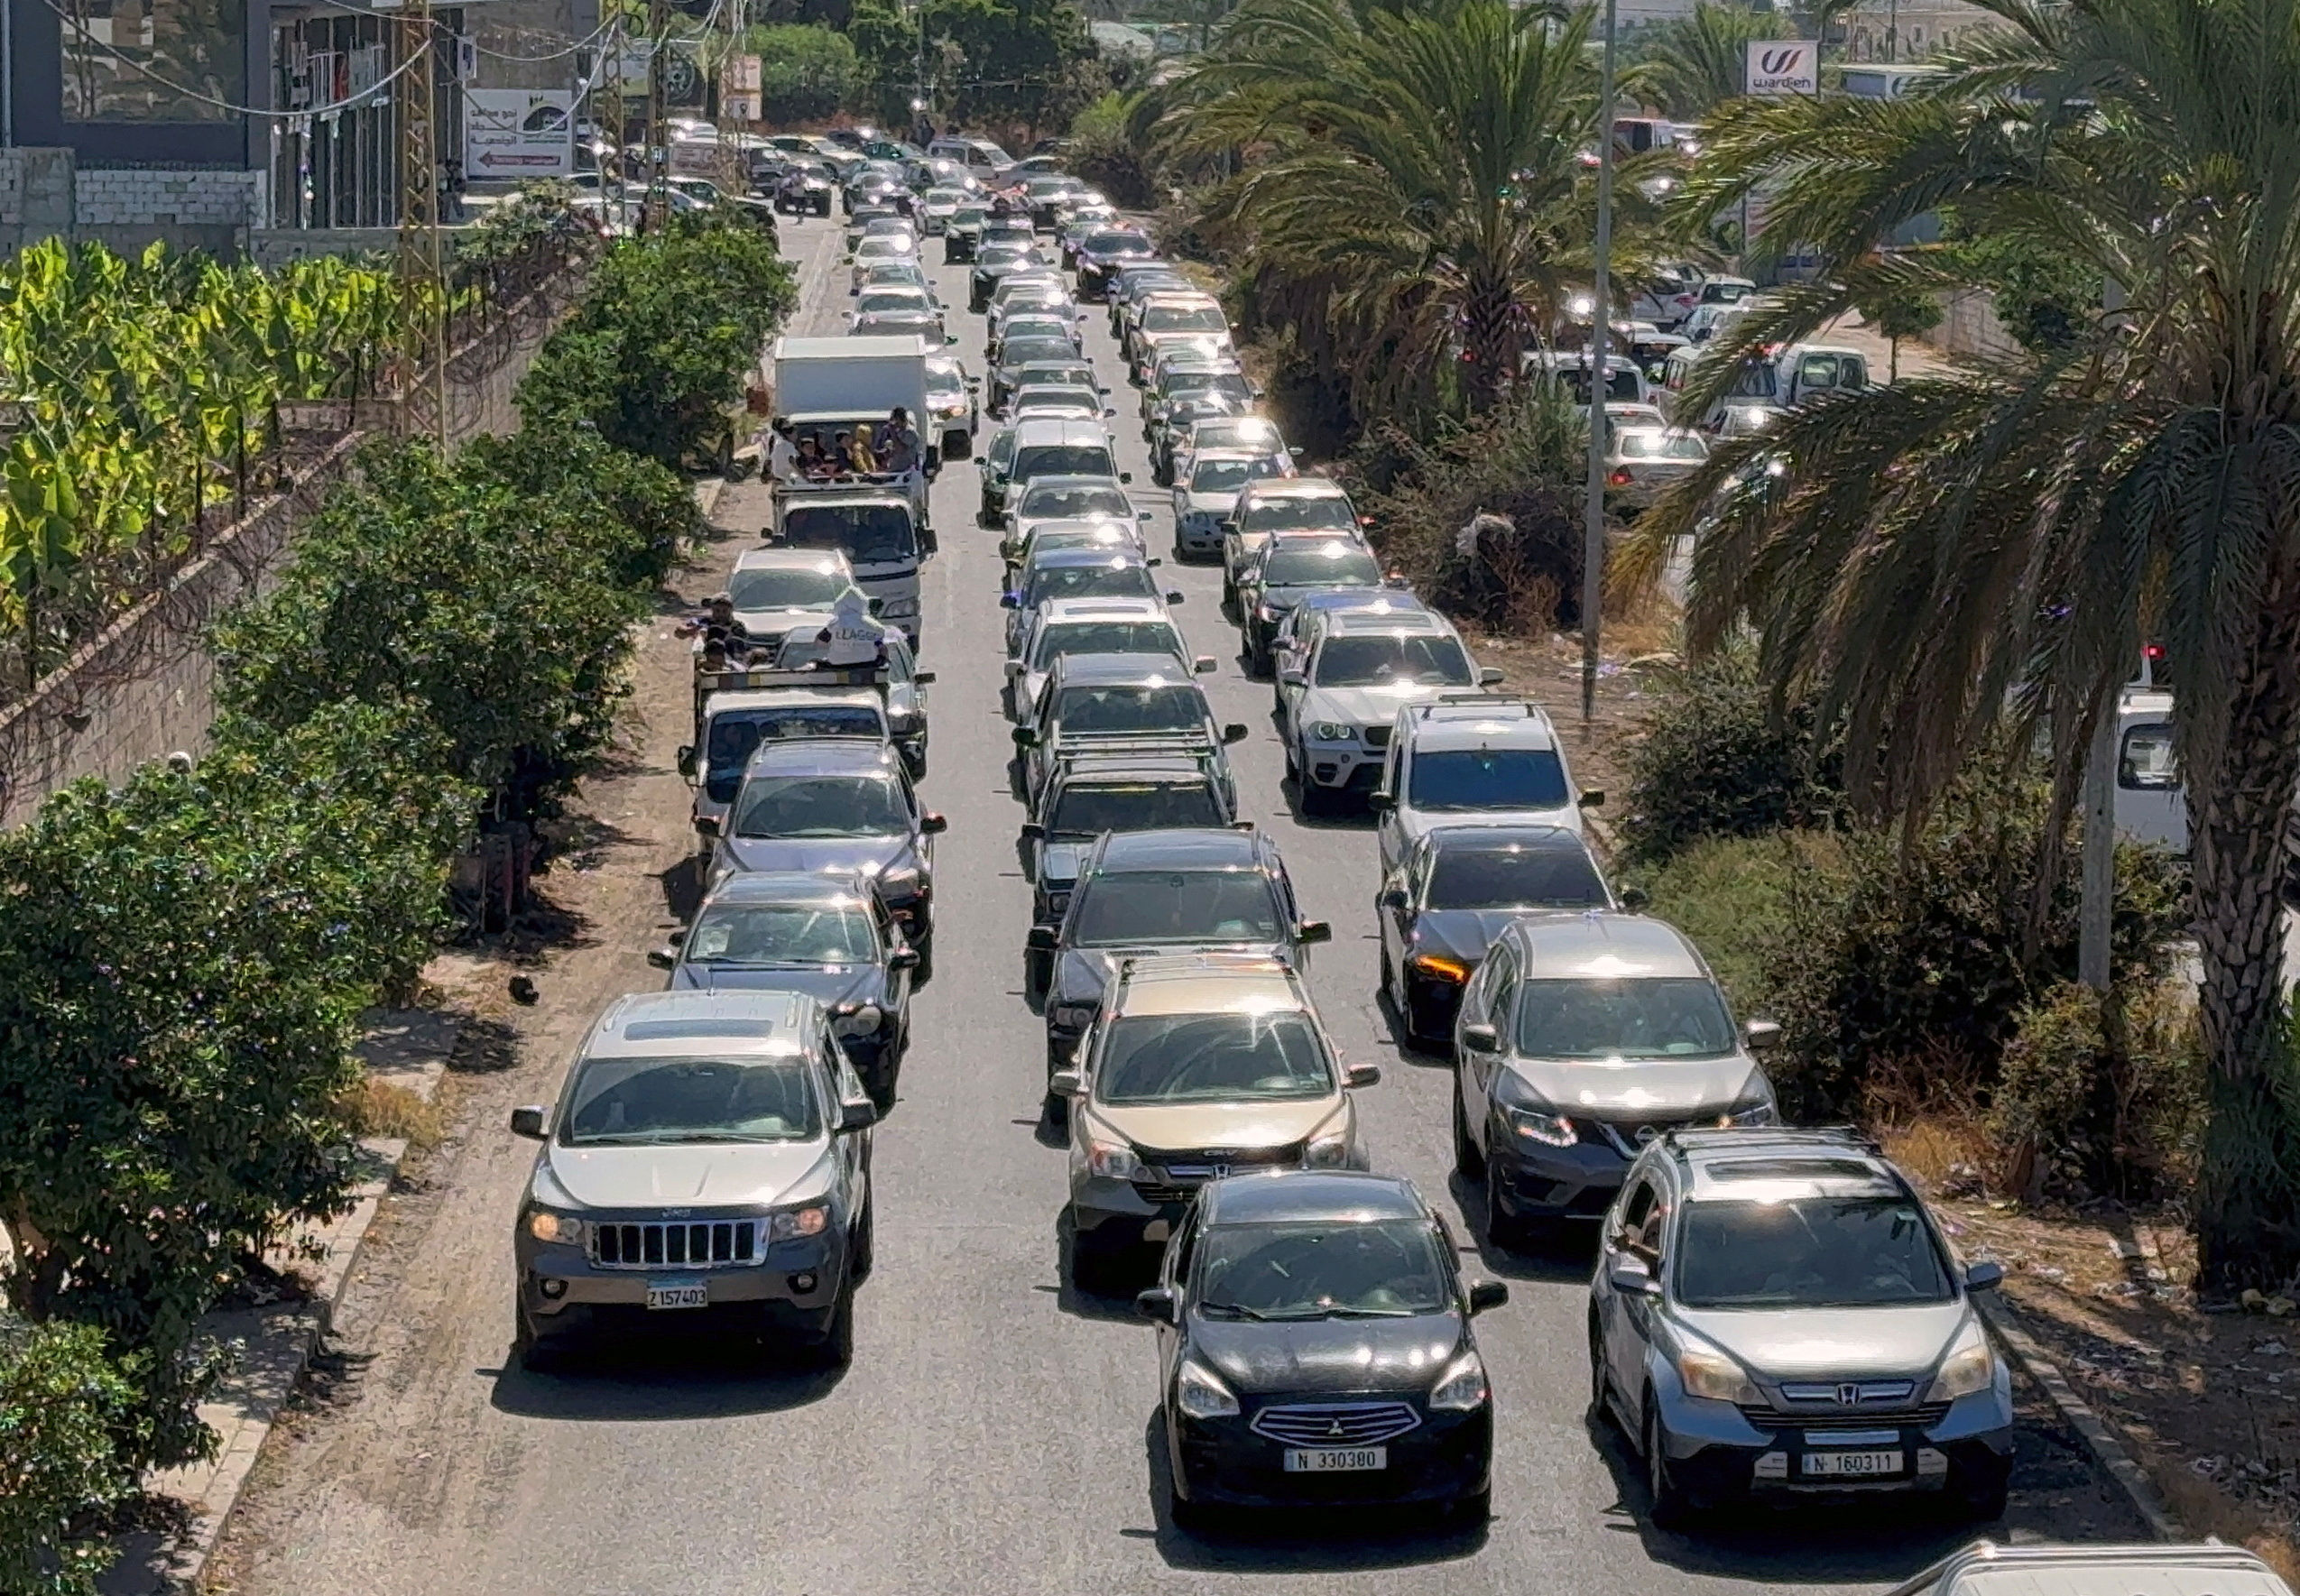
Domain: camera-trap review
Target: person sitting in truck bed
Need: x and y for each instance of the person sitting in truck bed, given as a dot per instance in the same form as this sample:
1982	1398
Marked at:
717	624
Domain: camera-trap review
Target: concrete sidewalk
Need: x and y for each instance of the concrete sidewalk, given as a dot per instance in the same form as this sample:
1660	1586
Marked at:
1917	359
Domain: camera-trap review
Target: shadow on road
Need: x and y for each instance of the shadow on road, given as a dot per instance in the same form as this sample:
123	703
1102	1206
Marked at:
1421	1055
1563	1255
1299	1541
1109	1300
663	1379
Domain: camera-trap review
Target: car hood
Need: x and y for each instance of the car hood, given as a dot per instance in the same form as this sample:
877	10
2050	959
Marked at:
1192	1127
1083	974
1325	1357
1367	707
1464	933
830	985
698	1176
1206	503
1058	861
1831	1343
868	855
1644	1089
1418	823
778	623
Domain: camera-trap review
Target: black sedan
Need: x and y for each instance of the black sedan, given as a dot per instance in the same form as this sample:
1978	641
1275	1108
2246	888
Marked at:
992	264
824	933
1452	892
1100	254
1315	1350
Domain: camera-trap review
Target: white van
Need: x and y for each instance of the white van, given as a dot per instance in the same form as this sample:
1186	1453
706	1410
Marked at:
979	156
1625	383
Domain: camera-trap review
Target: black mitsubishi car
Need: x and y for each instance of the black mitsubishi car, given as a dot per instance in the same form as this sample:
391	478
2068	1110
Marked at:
1315	1350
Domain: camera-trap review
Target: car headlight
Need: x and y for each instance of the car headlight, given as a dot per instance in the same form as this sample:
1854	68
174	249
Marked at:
861	1023
1112	1160
1556	1130
563	1229
1328	1152
1757	1111
1971	1365
791	1224
899	606
1072	1016
1332	732
1716	1377
1199	1392
1462	1388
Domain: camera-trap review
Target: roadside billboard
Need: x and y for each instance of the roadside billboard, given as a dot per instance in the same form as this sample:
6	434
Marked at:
518	132
1782	66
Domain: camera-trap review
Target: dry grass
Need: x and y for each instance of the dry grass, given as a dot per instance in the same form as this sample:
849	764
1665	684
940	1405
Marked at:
2205	1509
377	1108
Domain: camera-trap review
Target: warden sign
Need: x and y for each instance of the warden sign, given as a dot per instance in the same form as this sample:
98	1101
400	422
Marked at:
1783	66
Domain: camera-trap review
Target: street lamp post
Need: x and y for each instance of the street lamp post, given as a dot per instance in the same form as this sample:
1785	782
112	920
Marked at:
1593	549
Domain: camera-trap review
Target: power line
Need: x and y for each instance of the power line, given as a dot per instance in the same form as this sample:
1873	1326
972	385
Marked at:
361	97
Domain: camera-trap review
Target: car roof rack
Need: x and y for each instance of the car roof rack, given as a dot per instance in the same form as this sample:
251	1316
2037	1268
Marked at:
1701	1138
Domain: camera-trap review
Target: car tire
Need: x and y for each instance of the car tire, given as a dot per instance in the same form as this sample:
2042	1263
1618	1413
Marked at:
1600	1409
1318	802
1984	1501
1467	1159
958	446
1037	969
1390	987
531	1350
1259	660
834	1348
1097	1269
1502	1231
1671	1505
862	1249
926	969
1190	1517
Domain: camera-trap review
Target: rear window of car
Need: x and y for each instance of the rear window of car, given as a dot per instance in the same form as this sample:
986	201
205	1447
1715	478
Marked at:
1064	459
1656	445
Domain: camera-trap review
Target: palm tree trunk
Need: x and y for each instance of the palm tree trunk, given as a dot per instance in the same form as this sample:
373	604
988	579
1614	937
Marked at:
2247	1211
1490	337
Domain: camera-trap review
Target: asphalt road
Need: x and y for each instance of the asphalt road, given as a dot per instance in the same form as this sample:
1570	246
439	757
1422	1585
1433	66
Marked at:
994	1431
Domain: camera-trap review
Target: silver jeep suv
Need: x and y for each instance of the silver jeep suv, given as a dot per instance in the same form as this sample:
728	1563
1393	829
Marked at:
1774	1314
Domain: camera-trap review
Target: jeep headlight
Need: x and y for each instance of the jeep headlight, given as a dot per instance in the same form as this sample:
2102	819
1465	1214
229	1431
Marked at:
1112	1160
1462	1388
1711	1374
1072	1016
792	1223
1971	1365
1556	1130
561	1230
1332	732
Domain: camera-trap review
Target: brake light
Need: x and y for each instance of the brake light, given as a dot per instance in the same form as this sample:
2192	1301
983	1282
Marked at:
1621	476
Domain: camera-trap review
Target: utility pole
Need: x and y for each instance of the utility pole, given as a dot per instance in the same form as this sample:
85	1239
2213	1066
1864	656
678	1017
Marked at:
658	206
2096	875
423	298
1601	318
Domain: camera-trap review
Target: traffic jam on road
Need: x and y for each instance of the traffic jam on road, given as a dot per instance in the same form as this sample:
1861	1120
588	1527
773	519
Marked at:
1771	1313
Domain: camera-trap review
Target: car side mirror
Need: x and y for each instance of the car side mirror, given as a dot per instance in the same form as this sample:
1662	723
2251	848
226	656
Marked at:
1125	476
859	1115
1109	411
1594	799
665	957
933	824
1065	1083
1203	665
1225	526
929	540
1009	601
1762	1034
950	337
1358	1077
1480	1038
1490	677
1631	1277
1392	898
687	763
1293	678
1154	562
1636	900
1158	1305
528	1123
1310	931
1032	832
1984	1274
1041	939
922	678
1025	737
1174	595
1382	803
709	824
1234	731
1488	1294
902	958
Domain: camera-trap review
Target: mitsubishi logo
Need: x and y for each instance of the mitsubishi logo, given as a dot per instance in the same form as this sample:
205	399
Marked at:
1848	1394
1333	1429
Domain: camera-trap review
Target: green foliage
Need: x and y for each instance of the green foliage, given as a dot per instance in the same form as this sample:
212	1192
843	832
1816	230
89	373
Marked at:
181	962
501	615
654	355
2047	298
1732	895
806	71
639	511
1694	63
2105	1100
1104	151
995	63
61	1403
1719	758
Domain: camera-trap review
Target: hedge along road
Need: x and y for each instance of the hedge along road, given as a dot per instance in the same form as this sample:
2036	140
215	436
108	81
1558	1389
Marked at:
993	1433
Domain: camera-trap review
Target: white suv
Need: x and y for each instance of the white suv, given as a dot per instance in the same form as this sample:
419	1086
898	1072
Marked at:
1471	758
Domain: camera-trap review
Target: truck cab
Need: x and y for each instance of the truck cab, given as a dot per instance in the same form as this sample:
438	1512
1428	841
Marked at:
875	525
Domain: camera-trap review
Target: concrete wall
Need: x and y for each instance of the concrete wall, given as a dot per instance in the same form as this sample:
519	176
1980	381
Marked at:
49	192
1969	326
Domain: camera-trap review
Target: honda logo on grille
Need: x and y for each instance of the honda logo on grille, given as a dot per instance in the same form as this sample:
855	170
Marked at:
1848	1394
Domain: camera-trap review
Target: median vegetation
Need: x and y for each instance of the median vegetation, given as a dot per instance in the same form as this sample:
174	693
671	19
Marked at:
186	958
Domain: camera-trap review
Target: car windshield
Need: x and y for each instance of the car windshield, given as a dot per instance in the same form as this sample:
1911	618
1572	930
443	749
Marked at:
1233	432
1513	878
1119	244
1176	706
1184	318
1211	1059
1113	578
1074	500
867	534
1382	1269
1135	806
1484	778
827	931
892	299
1064	459
1621	382
1032	324
787	587
1227	476
822	806
1644	1017
1809	1252
643	1101
1106	637
1659	446
1211	906
1299	516
1086	402
1183	387
1323	565
1033	347
1378	660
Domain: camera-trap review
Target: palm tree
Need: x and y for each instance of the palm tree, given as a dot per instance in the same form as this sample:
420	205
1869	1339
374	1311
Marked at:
1949	558
1414	183
1697	62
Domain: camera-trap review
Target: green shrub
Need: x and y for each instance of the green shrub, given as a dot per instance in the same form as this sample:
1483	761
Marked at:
639	513
2109	1103
1716	758
181	963
1731	895
806	70
653	357
61	1401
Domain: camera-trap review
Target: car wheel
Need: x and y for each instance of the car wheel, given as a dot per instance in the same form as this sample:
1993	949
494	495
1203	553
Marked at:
1390	988
1600	1409
1096	1268
1259	662
1671	1505
1984	1500
1502	1229
958	446
1466	1157
536	1352
926	969
1190	1517
1318	802
834	1348
862	1251
1037	969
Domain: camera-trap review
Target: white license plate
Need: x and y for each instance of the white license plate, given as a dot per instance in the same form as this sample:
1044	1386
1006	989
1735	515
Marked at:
1354	1459
678	1294
1852	1465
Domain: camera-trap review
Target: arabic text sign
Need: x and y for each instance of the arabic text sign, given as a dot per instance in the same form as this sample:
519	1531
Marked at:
518	132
